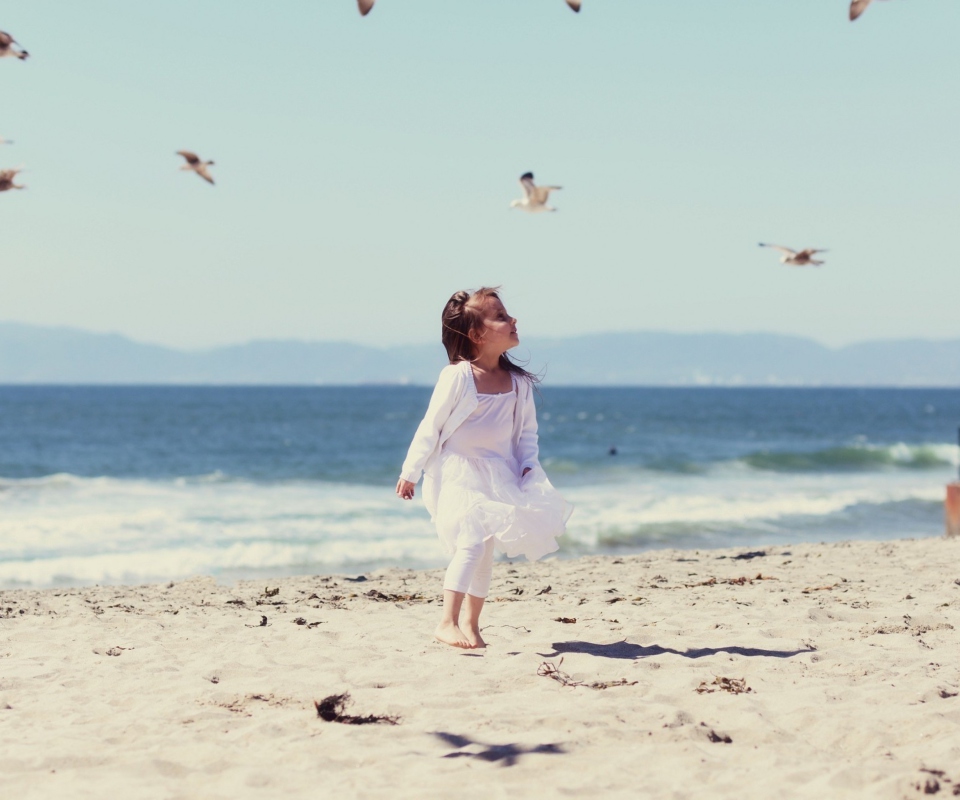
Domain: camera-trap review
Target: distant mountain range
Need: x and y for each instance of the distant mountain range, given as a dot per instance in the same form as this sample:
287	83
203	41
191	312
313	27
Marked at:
34	354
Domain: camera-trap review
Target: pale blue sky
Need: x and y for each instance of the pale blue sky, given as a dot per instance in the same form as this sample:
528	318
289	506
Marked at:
365	166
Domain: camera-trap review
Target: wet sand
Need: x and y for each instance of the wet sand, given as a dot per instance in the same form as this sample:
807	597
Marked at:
828	670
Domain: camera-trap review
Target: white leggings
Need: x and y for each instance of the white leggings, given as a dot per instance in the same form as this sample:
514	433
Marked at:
470	569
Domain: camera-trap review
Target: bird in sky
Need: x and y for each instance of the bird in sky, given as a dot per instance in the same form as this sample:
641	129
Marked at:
857	7
574	4
535	197
5	141
6	179
194	164
7	49
797	258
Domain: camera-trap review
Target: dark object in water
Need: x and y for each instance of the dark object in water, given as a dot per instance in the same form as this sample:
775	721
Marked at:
331	709
612	451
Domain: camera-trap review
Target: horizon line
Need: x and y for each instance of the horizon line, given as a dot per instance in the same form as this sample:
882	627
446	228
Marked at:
545	338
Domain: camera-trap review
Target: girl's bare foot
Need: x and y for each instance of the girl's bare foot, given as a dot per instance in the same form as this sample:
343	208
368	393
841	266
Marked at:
450	633
475	639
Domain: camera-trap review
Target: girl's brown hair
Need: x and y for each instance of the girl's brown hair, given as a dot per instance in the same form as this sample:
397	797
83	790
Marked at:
461	317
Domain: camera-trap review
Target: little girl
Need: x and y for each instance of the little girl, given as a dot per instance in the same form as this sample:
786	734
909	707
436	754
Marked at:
477	449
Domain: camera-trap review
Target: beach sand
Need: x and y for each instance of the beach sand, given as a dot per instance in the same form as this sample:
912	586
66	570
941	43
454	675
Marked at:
850	652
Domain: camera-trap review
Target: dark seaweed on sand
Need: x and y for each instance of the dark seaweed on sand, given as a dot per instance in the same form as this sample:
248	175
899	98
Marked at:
716	738
331	709
748	556
550	670
396	598
732	685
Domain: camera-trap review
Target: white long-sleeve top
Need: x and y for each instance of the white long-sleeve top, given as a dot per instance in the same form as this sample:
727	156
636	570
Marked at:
454	399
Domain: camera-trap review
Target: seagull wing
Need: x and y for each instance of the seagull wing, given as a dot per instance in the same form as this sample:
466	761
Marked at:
857	7
365	6
7	177
785	250
203	173
542	193
5	39
192	158
529	187
574	4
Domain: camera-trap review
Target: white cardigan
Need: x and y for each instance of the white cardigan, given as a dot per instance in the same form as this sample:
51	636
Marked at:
453	400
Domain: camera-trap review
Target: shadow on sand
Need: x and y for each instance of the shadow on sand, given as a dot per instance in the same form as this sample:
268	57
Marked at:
506	754
634	651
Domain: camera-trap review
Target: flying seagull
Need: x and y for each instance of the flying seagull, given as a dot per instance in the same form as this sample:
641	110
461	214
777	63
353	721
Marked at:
6	180
574	4
857	7
797	258
194	164
7	49
535	197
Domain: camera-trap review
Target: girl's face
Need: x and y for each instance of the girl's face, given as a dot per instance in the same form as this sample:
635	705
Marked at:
499	330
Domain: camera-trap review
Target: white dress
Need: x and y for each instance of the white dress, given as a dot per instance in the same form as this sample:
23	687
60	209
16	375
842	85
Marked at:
482	494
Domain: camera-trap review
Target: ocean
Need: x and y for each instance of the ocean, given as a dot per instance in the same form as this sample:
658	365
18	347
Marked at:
143	484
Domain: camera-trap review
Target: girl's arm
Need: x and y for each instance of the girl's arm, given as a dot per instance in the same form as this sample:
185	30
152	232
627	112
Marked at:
528	448
425	440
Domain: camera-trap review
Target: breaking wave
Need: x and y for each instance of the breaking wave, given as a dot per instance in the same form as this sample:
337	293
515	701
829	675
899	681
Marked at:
856	457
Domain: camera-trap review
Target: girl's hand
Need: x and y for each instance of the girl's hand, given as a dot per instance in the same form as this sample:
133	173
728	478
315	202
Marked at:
405	489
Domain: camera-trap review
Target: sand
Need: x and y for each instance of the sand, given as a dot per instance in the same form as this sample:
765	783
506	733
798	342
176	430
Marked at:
848	656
